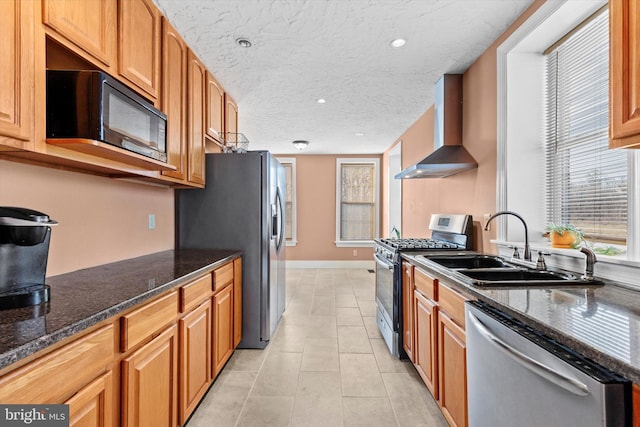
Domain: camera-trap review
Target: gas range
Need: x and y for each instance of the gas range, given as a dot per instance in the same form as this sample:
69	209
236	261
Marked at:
448	233
417	244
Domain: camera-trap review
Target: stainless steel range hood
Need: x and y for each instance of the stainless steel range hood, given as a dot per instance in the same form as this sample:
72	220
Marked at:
449	157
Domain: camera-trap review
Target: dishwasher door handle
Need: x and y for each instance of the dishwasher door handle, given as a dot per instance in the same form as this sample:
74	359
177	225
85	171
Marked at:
570	384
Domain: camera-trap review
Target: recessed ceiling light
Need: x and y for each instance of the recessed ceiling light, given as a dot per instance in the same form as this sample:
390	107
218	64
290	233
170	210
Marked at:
398	42
321	101
242	42
359	133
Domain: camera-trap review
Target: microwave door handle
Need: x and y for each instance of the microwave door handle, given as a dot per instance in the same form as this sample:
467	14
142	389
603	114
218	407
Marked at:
127	143
570	384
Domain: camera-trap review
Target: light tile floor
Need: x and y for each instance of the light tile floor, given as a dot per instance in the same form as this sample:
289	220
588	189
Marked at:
326	366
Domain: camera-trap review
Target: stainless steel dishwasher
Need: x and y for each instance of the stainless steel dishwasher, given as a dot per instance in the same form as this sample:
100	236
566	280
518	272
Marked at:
516	376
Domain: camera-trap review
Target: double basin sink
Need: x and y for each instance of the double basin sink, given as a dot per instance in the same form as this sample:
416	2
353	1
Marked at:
494	271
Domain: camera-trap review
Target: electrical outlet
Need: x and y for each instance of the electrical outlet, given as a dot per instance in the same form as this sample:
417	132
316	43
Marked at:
152	221
486	218
355	252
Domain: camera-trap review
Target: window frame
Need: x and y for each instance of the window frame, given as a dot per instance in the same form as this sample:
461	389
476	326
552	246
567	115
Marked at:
520	67
376	203
294	205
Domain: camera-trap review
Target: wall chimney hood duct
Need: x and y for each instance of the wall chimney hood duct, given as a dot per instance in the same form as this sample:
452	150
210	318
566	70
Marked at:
449	157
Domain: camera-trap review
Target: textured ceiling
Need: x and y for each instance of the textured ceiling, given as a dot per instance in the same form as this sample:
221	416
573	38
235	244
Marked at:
337	50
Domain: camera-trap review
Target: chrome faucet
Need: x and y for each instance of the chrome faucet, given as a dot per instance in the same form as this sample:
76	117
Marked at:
527	250
591	259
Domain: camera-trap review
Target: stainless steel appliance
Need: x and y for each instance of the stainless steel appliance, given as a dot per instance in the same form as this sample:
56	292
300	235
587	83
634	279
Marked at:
242	207
516	376
24	251
449	232
449	156
93	105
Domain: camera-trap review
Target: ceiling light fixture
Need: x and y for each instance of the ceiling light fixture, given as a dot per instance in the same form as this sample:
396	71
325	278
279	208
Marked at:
300	144
398	42
321	101
242	42
359	133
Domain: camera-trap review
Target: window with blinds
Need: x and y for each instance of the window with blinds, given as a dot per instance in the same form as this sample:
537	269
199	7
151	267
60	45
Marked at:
586	182
290	227
357	200
288	201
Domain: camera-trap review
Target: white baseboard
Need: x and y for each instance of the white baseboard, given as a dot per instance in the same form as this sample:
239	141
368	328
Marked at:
331	264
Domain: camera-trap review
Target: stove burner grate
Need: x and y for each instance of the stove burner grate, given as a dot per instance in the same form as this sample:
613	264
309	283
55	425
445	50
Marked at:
416	243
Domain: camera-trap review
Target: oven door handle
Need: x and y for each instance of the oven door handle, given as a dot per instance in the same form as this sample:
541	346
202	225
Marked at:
384	263
570	384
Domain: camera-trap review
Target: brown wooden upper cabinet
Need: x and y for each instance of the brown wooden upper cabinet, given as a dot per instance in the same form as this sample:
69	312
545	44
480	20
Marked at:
231	114
16	74
88	28
196	80
215	109
121	38
139	45
624	73
174	98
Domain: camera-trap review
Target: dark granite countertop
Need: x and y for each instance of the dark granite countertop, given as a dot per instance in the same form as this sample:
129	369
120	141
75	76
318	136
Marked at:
599	322
86	297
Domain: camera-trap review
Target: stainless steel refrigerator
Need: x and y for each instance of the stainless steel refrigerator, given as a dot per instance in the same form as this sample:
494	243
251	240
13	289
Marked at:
242	207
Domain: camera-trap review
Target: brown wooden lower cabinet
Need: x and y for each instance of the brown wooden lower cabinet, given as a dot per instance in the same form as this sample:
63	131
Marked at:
149	366
149	383
222	327
439	343
407	309
195	358
237	301
48	380
93	405
425	350
452	354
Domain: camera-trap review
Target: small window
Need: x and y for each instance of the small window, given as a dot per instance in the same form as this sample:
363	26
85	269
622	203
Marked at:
357	189
291	235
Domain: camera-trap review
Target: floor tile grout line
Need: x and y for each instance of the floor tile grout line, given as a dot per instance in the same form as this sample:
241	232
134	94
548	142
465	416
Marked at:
244	404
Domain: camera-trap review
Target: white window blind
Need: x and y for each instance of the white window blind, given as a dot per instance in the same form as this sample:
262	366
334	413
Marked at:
586	182
289	196
357	200
288	200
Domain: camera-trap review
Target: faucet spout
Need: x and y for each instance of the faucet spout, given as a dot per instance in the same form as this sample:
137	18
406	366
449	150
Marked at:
527	250
591	260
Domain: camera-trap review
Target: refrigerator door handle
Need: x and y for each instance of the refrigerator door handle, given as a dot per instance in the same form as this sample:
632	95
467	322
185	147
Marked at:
274	220
279	220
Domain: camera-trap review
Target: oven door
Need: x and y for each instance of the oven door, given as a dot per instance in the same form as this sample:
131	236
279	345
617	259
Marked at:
386	312
384	285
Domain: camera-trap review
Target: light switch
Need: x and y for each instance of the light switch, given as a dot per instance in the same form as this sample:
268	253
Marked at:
152	221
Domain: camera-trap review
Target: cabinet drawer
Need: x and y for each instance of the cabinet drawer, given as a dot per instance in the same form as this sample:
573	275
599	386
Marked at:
222	276
145	321
194	293
452	303
55	376
425	284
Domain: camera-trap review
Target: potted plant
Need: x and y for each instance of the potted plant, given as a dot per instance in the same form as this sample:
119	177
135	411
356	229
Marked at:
564	235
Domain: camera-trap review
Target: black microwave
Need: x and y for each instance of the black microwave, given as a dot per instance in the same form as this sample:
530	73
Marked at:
93	105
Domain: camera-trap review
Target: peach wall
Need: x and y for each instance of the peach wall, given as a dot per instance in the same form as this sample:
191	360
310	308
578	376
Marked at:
472	192
316	209
101	220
